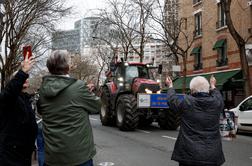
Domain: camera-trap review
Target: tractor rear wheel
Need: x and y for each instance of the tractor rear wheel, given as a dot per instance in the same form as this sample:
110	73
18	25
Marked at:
126	112
105	113
169	120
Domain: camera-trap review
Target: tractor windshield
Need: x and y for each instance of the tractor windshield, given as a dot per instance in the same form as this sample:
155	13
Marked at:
136	71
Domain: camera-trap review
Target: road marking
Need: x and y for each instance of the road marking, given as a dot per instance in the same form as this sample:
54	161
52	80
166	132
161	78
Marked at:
173	138
147	132
93	119
106	164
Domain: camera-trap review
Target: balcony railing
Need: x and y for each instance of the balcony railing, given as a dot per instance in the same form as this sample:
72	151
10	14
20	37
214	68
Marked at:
198	66
222	62
220	24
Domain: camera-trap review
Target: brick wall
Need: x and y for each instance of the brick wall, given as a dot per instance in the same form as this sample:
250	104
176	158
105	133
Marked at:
241	15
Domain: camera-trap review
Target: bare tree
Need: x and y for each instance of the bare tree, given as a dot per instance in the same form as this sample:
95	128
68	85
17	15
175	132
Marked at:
173	31
83	68
21	19
143	9
241	42
119	18
103	59
129	18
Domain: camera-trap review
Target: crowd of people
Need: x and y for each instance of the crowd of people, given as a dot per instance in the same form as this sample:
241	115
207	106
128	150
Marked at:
64	135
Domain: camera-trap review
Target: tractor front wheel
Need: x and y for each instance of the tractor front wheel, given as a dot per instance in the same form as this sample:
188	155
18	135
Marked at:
127	117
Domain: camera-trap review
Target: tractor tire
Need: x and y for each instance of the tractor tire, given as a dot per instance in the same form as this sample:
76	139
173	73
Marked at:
105	113
127	117
169	120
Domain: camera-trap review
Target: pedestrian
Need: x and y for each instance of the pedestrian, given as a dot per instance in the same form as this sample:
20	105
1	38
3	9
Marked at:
65	104
199	141
18	128
40	143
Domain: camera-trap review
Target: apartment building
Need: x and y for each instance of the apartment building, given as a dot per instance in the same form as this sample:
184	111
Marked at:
214	51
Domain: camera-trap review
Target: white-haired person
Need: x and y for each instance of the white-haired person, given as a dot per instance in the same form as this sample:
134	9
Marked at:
18	127
199	141
65	104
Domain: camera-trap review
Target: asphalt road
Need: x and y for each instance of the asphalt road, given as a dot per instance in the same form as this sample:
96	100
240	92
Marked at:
152	146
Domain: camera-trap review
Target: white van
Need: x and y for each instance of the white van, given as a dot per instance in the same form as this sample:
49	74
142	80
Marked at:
244	113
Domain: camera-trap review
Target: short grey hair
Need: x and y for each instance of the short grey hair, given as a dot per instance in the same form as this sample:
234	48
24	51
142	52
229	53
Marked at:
199	84
58	62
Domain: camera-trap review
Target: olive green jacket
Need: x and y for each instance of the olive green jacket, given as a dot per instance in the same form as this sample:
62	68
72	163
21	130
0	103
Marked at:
64	105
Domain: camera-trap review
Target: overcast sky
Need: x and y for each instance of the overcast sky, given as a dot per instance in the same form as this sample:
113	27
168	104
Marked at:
81	8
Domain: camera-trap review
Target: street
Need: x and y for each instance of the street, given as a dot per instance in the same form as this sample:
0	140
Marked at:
152	146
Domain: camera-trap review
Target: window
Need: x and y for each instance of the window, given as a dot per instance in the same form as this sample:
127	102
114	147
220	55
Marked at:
196	1
198	24
136	71
221	47
197	58
221	17
247	105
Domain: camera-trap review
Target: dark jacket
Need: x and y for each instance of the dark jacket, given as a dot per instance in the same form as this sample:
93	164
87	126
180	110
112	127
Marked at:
199	140
64	104
18	128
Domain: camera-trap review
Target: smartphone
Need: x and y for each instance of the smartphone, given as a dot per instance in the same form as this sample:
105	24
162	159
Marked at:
27	49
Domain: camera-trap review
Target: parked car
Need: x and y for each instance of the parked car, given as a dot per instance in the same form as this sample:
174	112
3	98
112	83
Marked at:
244	113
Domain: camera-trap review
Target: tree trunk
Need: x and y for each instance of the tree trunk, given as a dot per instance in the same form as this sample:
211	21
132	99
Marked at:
226	4
245	70
184	73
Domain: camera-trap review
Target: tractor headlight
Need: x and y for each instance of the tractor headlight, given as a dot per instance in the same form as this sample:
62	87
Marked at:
158	80
159	92
120	79
148	91
120	84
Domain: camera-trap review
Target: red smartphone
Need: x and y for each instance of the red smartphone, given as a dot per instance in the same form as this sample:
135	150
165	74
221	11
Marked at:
27	49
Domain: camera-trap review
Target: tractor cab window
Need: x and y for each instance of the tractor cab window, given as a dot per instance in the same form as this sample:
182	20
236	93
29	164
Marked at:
143	72
136	71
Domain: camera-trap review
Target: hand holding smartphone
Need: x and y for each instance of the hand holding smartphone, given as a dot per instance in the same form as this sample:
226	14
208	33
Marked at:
27	51
28	62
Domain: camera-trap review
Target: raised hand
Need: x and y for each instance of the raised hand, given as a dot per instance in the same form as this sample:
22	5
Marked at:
212	82
168	82
27	64
91	87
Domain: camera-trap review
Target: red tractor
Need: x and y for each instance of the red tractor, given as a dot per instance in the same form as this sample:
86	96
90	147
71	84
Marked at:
130	98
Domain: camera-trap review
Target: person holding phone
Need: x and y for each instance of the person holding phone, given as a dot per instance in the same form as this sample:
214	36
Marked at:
199	141
18	127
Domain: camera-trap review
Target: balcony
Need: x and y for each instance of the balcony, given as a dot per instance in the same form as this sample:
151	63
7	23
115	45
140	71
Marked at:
198	66
221	62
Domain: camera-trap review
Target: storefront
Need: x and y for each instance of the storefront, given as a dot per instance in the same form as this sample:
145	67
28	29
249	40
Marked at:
230	84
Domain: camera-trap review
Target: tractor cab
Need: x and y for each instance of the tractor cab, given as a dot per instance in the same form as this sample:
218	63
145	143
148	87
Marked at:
133	77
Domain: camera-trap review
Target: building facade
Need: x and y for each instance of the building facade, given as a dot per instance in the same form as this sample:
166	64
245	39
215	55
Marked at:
66	40
214	51
81	37
91	28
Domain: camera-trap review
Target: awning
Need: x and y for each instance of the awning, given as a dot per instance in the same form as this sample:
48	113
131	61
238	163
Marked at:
221	78
196	50
219	44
